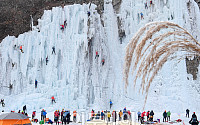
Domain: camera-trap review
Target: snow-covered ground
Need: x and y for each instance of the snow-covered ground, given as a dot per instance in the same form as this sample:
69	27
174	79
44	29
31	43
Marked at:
80	82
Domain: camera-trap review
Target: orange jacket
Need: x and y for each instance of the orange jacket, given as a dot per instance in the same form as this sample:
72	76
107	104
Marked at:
20	47
74	113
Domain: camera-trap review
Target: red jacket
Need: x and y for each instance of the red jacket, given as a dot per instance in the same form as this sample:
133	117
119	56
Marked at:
96	53
147	113
62	26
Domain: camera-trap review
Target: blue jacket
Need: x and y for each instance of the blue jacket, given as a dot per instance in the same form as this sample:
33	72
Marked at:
102	114
44	113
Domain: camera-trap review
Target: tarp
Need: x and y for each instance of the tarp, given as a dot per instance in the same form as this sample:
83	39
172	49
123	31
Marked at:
14	119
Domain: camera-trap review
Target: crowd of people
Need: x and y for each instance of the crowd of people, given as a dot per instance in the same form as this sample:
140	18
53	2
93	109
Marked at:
64	116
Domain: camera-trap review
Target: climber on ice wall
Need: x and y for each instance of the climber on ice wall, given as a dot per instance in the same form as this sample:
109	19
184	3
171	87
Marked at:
62	27
97	55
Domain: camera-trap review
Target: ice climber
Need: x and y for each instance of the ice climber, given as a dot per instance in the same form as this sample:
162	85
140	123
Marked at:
2	102
53	99
164	116
88	13
145	4
111	104
151	3
103	61
36	83
47	60
62	27
65	23
187	112
21	49
142	15
53	50
97	55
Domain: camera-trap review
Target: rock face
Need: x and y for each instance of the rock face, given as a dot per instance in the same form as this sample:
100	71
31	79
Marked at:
192	66
16	14
198	2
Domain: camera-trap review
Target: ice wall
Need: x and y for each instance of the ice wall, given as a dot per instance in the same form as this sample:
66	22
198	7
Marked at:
76	78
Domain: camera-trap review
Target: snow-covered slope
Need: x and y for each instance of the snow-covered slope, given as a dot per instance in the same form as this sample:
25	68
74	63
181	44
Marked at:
76	78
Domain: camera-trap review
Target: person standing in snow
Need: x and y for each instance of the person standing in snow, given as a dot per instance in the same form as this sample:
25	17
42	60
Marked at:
53	50
142	117
74	115
151	115
33	114
102	115
187	112
36	83
168	115
108	115
103	61
42	114
56	116
114	115
164	116
120	115
68	117
194	115
24	108
62	113
148	113
194	120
